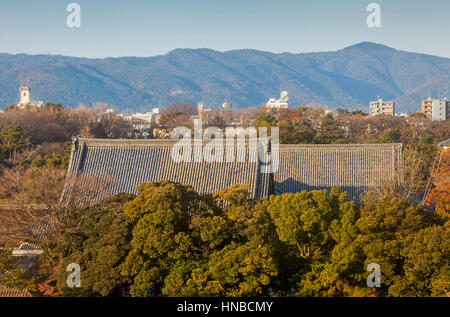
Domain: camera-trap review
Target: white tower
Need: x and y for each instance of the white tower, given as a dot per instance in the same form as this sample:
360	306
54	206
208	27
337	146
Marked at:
24	95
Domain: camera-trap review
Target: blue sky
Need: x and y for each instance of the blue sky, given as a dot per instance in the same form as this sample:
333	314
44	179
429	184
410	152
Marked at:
111	28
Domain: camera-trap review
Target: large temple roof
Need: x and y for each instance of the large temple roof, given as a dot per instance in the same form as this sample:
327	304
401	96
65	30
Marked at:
353	167
118	166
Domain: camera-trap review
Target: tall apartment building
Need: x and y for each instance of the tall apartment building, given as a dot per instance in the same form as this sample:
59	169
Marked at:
381	107
436	109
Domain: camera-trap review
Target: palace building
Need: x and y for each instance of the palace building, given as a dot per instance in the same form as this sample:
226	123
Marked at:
117	166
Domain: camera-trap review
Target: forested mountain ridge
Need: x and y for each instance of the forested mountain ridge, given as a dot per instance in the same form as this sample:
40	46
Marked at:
347	78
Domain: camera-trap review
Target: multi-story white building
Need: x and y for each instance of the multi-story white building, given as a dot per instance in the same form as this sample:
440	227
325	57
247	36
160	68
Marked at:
382	107
436	109
146	118
283	102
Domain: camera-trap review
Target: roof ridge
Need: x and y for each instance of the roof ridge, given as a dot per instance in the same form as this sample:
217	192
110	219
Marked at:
169	142
353	145
147	142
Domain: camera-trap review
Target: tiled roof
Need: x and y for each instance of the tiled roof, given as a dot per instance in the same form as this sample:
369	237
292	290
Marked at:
27	249
124	164
354	168
127	163
8	292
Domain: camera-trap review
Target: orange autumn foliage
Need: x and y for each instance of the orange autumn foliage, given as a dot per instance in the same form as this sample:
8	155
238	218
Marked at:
439	196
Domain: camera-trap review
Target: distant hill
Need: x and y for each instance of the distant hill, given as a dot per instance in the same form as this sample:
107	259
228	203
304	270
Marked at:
349	78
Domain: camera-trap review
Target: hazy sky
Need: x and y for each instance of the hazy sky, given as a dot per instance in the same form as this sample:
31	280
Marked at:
150	27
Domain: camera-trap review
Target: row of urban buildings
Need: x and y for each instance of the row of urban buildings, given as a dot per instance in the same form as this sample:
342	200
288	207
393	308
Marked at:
434	109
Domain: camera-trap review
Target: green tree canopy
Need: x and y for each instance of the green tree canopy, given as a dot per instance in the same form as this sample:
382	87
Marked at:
296	132
184	244
13	273
99	245
13	140
330	131
266	121
171	241
391	136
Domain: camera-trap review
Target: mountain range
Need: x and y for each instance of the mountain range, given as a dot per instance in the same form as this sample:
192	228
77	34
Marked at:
347	78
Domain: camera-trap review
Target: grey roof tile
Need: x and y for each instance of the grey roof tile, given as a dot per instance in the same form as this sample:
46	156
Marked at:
124	164
354	168
121	165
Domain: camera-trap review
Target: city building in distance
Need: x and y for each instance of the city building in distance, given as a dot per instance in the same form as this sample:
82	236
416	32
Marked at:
382	107
436	109
209	115
141	122
283	102
25	101
140	118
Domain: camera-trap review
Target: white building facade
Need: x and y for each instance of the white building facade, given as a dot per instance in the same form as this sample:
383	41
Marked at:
381	107
283	102
440	110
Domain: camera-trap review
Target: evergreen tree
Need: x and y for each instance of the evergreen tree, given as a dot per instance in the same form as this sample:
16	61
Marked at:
13	140
330	131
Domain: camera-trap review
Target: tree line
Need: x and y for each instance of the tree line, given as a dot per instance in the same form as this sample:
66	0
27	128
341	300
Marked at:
171	241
